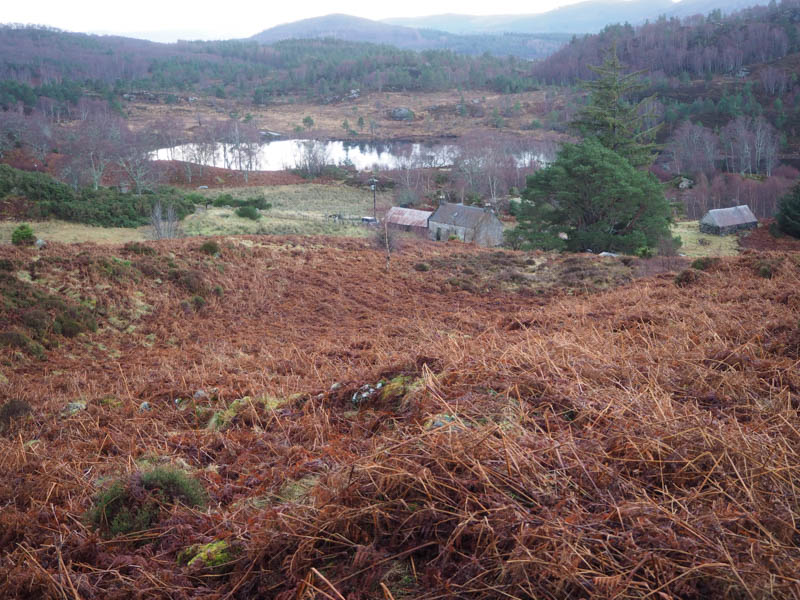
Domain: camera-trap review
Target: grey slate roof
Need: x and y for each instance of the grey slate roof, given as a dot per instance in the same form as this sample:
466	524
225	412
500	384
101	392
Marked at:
458	215
729	217
408	217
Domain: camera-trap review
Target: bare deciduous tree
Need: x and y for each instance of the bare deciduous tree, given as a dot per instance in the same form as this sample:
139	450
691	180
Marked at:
749	145
38	136
97	141
12	128
164	225
694	149
313	158
774	80
134	158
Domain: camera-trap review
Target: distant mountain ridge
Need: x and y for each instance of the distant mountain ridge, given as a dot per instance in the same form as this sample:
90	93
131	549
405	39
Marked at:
356	29
584	17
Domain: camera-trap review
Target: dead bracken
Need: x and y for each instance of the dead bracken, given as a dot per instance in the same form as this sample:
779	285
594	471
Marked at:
363	433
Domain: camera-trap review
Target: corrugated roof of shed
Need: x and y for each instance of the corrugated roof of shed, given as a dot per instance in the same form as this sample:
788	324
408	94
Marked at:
407	217
729	217
459	215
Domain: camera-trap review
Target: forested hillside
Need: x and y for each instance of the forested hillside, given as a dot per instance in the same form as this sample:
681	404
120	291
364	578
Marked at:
36	62
722	88
699	46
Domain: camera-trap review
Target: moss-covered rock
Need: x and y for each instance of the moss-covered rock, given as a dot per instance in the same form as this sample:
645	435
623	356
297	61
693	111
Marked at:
73	408
110	402
297	490
399	387
223	419
218	556
440	420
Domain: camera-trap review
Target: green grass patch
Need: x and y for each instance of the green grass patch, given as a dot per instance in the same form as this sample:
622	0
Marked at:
56	230
697	244
224	222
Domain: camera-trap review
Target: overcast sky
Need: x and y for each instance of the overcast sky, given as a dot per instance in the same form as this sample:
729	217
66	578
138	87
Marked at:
209	20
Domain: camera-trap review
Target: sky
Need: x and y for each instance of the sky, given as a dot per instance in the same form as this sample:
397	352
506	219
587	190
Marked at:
168	20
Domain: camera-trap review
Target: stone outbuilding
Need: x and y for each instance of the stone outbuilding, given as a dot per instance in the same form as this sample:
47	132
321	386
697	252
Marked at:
467	223
722	221
408	219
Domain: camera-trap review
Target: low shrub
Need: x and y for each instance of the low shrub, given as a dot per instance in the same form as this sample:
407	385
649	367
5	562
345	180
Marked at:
775	230
422	267
704	263
37	320
106	207
15	339
139	248
248	212
23	236
191	280
67	326
6	265
11	410
198	302
210	247
686	278
136	503
767	268
258	202
222	200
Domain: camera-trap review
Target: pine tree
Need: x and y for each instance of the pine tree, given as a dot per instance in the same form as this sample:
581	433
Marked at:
611	116
595	199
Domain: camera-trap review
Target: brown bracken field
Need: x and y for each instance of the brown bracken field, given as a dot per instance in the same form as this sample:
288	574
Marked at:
467	423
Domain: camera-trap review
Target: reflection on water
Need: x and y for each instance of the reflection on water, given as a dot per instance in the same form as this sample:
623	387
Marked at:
292	154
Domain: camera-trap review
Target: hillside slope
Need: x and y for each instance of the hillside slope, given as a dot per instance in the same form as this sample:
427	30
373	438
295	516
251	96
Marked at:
433	431
696	48
345	27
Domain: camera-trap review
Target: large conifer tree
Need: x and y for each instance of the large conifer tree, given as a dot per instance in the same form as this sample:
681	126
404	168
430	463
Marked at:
595	197
613	117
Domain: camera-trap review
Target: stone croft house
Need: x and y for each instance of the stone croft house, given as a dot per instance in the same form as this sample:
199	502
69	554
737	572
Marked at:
722	221
468	223
408	219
